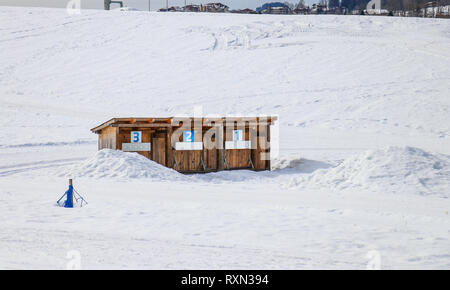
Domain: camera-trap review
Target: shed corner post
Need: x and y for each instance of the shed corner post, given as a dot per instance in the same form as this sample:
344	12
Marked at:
99	141
253	136
269	157
220	147
117	144
169	147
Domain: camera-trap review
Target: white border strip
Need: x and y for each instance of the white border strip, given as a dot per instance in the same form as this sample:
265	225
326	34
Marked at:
189	146
238	145
136	147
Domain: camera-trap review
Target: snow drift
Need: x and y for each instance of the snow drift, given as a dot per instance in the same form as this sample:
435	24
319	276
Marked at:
395	169
116	164
126	8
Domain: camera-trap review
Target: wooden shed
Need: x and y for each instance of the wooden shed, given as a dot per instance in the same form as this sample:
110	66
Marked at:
190	144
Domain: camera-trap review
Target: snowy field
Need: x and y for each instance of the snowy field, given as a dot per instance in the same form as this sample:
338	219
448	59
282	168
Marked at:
363	174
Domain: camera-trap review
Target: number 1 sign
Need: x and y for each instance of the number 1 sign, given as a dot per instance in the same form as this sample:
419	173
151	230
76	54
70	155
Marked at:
238	135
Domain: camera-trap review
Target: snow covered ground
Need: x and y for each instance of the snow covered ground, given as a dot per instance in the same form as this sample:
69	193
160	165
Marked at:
363	174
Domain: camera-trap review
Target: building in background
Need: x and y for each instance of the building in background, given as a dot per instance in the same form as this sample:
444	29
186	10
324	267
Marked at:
192	8
319	9
109	2
244	11
274	8
214	7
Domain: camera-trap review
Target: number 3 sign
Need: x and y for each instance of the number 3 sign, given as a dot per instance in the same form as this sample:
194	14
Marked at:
136	137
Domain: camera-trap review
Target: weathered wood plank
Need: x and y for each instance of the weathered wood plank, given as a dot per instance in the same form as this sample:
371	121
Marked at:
136	125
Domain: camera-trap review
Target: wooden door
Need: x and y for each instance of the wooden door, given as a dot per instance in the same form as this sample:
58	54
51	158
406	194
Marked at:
189	160
159	150
238	158
210	159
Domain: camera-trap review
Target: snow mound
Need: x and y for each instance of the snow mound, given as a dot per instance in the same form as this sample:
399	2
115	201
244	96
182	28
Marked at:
300	165
395	169
116	164
126	9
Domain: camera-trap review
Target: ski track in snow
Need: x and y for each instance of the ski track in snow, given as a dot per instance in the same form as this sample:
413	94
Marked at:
26	167
346	89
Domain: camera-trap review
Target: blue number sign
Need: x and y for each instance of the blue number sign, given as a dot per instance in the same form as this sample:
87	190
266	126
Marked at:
136	137
188	136
237	135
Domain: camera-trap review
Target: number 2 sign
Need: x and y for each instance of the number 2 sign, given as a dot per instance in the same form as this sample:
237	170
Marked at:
188	136
136	137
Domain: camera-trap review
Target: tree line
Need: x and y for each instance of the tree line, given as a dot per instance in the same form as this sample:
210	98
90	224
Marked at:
391	5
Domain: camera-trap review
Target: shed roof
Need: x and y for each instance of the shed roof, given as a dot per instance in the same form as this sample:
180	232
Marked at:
174	121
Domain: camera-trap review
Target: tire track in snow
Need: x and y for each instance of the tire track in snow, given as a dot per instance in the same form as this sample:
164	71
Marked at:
24	167
26	145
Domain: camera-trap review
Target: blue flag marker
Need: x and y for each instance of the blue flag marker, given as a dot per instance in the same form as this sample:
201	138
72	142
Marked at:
69	194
